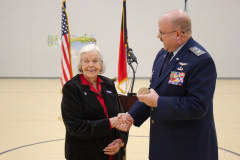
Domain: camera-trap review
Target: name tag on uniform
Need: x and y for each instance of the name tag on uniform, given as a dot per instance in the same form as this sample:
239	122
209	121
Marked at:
176	78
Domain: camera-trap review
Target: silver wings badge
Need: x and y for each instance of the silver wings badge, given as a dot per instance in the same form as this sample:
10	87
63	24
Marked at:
181	67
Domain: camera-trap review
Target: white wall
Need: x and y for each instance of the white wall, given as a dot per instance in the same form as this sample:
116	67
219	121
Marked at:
26	24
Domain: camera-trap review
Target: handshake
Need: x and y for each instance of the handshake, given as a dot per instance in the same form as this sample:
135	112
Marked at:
122	122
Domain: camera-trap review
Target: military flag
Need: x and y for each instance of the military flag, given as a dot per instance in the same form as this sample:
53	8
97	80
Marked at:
122	61
186	6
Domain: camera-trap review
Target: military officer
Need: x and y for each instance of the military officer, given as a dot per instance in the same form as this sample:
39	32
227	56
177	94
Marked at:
180	102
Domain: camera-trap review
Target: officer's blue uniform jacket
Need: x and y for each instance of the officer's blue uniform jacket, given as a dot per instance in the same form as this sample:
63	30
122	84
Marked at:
182	126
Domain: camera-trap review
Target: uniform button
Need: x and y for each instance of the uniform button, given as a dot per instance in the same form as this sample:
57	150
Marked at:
152	121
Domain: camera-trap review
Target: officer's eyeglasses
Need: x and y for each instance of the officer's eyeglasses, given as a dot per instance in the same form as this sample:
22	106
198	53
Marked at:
162	34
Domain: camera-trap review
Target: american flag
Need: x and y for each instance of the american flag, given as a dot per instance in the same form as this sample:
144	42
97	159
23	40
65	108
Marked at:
66	54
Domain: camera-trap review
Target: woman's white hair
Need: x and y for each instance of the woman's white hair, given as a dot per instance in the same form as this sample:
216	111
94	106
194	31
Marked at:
89	48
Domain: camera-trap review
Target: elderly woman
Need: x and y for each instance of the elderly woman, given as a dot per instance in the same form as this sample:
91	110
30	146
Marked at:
90	106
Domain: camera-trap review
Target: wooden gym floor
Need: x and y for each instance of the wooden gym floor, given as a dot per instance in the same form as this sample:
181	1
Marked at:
31	127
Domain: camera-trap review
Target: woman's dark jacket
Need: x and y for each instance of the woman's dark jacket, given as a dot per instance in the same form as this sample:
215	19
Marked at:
88	131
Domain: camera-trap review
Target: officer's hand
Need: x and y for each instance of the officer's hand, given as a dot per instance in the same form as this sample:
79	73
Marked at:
150	99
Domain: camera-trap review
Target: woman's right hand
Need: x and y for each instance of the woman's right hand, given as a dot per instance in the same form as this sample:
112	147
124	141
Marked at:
122	122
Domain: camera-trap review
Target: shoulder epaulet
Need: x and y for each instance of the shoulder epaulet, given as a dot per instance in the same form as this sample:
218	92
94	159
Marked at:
197	51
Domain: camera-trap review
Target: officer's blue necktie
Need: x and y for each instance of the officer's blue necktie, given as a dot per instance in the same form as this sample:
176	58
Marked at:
166	61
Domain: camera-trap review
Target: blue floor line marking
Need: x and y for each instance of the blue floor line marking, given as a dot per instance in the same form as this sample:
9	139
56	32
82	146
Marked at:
64	139
229	151
29	145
